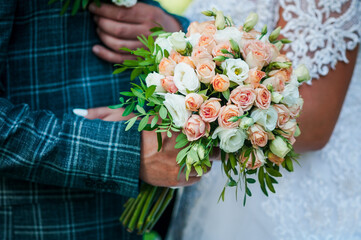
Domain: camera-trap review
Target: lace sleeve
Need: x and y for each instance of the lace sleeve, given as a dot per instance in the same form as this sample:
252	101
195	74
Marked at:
321	31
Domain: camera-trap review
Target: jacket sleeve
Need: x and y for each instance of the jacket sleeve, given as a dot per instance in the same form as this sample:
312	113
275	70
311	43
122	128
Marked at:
70	152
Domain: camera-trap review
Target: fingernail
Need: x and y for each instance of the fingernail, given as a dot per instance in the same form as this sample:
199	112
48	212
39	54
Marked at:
80	112
96	49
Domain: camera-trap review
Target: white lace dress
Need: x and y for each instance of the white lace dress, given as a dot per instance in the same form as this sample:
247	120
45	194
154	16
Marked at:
322	198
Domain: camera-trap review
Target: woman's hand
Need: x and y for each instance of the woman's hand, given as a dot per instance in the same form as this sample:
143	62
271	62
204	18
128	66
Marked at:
119	27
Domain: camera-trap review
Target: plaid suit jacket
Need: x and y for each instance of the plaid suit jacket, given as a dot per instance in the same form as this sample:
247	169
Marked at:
61	176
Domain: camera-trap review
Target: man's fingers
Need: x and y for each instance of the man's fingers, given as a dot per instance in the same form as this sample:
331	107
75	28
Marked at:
121	30
98	113
132	15
110	56
115	44
191	181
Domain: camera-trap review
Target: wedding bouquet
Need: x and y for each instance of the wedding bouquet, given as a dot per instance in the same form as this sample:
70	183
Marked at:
217	86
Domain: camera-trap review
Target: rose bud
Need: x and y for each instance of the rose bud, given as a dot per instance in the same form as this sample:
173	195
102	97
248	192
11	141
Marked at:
210	109
275	159
228	112
251	21
279	147
254	77
257	54
169	85
193	102
206	70
258	136
284	115
187	60
195	128
166	67
220	83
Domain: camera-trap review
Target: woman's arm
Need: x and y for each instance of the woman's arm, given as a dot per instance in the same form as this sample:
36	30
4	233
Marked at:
323	101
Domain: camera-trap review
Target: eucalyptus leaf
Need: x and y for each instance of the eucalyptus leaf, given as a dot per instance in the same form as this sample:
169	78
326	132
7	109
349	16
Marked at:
143	123
163	112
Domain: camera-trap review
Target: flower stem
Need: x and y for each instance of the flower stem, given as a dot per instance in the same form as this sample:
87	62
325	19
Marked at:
146	207
127	207
139	207
131	210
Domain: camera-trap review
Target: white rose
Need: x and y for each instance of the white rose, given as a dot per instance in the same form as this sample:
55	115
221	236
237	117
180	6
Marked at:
236	70
163	42
246	122
185	78
302	73
290	94
227	34
155	79
279	147
125	3
178	41
194	39
231	139
177	108
267	118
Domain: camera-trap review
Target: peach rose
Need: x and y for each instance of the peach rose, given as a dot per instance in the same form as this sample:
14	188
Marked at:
187	60
207	41
203	27
206	70
168	84
193	101
288	130
195	128
259	161
175	56
257	54
243	97
223	45
258	136
228	112
274	52
220	83
166	67
275	159
248	36
263	99
254	77
277	80
199	54
284	114
296	108
210	109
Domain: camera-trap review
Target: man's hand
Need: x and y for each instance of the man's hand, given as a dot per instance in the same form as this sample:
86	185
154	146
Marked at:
119	27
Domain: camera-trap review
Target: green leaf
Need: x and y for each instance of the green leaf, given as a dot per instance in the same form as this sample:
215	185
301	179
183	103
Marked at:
181	143
135	73
226	94
160	141
129	109
155	29
169	134
85	3
52	1
182	154
261	181
154	121
250	180
76	7
273	172
193	155
149	92
141	110
136	93
130	123
127	94
116	106
126	49
143	123
181	137
289	164
131	63
65	7
163	112
232	183
248	192
199	170
232	160
269	184
120	70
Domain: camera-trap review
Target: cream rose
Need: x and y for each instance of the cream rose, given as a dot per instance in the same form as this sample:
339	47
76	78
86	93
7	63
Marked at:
257	54
206	70
263	99
155	79
279	147
207	41
243	97
193	101
210	109
246	122
199	54
195	128
296	108
248	36
168	84
290	94
163	42
236	69
228	112
175	105
258	162
231	140
220	83
166	67
258	136
266	118
185	78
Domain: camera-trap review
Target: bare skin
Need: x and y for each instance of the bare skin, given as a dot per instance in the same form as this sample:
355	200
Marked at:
323	102
119	27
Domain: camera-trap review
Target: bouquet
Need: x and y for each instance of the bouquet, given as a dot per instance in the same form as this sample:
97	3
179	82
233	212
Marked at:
217	86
